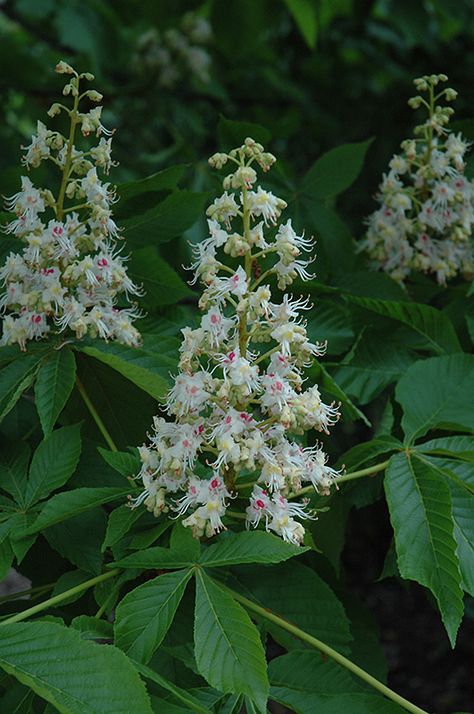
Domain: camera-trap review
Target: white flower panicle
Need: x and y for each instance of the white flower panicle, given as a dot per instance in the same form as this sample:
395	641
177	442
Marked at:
424	222
238	402
70	274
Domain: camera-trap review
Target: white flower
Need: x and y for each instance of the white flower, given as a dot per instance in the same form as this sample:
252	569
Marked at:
265	204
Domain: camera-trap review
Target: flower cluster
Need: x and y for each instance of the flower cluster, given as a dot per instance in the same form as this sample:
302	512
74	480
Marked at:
238	403
69	274
176	53
426	212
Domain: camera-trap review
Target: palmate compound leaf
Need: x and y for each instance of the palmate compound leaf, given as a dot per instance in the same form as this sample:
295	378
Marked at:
228	650
437	392
307	683
74	675
421	512
145	614
53	386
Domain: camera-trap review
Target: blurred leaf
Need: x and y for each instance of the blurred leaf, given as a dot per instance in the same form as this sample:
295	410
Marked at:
162	285
335	171
305	14
160	181
232	134
168	220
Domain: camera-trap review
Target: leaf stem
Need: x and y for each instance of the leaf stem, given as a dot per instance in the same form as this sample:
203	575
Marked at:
100	424
351	476
322	647
59	598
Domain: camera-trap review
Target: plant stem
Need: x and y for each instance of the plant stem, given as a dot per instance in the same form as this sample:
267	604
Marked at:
100	424
68	159
322	647
59	598
351	476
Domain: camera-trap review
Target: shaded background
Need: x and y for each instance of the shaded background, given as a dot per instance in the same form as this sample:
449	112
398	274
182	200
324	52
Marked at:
315	74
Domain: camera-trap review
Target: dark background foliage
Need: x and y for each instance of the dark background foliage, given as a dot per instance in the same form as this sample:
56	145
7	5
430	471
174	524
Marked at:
342	74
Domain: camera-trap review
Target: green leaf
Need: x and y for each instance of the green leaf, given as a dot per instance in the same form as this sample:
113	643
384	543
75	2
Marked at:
53	386
335	171
69	580
119	523
363	453
53	462
305	14
70	503
256	547
372	366
79	539
92	628
335	244
307	683
192	704
462	447
160	181
15	378
329	384
148	370
168	220
331	322
437	392
74	675
463	519
432	325
155	558
162	285
182	540
14	460
125	462
291	590
421	513
145	614
228	650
